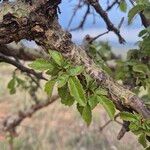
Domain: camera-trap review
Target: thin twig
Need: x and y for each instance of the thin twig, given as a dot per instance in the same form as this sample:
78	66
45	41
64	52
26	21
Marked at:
80	26
109	7
78	6
110	26
124	129
11	122
96	37
109	121
121	23
20	66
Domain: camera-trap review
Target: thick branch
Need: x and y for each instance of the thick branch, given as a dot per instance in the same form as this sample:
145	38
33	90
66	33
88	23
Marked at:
78	56
48	33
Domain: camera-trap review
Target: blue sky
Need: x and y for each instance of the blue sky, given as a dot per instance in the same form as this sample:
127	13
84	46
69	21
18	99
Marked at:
130	32
67	7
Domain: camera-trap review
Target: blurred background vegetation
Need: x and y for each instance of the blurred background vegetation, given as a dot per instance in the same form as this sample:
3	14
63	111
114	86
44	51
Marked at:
57	126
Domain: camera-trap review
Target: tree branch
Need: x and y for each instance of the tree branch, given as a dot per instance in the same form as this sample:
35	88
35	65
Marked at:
11	122
105	17
109	7
108	122
47	32
124	129
19	51
144	20
81	24
20	66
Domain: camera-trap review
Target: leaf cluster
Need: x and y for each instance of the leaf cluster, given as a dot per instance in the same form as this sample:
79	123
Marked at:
74	86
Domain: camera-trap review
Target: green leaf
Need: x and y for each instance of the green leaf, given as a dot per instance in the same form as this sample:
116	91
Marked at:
134	127
142	140
88	79
65	96
147	13
80	108
92	86
20	81
41	64
148	148
76	90
126	116
93	101
75	71
123	6
62	80
143	32
136	9
141	68
49	87
108	105
101	91
57	57
87	114
53	72
11	86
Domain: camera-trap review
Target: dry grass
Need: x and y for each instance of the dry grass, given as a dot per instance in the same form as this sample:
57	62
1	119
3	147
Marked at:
59	127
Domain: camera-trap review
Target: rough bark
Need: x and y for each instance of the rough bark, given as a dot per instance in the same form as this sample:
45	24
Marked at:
40	23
